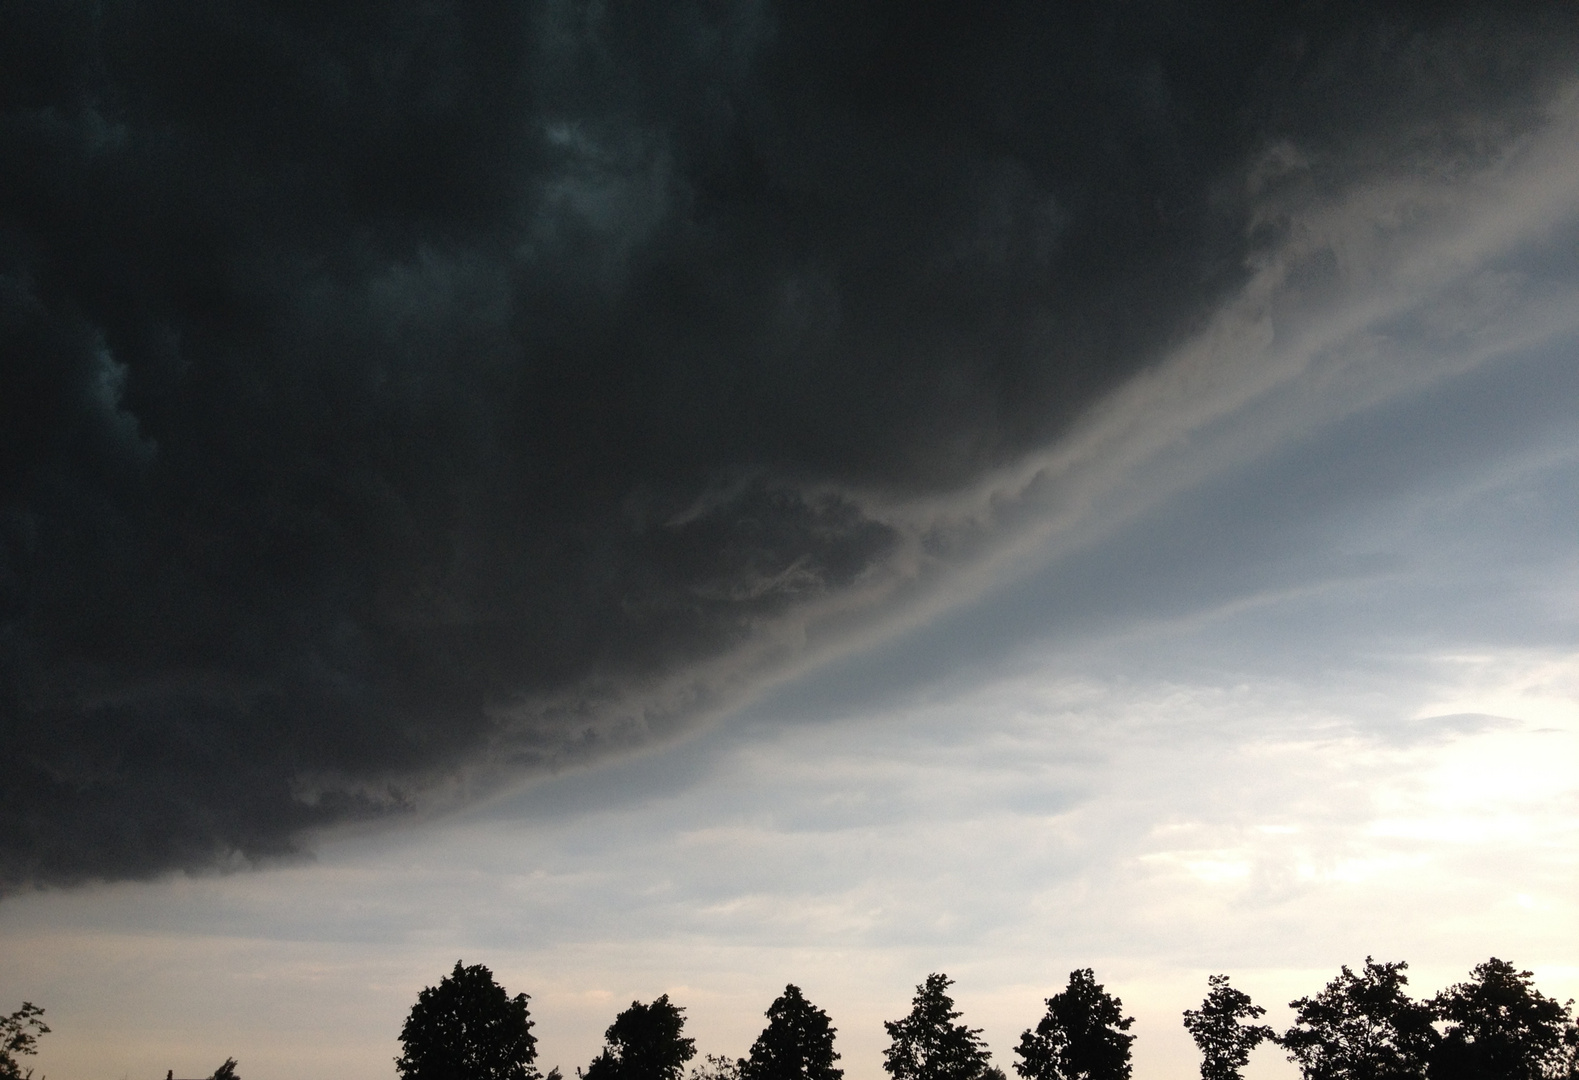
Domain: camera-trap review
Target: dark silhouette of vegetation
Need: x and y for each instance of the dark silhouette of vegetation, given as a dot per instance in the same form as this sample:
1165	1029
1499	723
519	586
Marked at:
797	1044
929	1045
227	1071
1362	1027
644	1043
1082	1036
1219	1029
467	1028
1499	1027
19	1034
716	1067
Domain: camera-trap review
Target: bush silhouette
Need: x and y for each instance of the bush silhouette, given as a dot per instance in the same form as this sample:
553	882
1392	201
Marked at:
19	1034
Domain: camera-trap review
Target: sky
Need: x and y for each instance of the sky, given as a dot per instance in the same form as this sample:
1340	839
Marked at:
690	500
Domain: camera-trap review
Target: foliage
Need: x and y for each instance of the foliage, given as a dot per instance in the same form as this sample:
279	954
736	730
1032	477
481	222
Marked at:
1499	1027
644	1043
716	1067
1082	1036
1362	1027
797	1044
1219	1029
19	1034
227	1071
468	1028
928	1045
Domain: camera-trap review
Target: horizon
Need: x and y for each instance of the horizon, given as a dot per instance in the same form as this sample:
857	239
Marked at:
688	501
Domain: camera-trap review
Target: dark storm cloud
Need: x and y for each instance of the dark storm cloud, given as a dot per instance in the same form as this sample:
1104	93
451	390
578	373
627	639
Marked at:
372	374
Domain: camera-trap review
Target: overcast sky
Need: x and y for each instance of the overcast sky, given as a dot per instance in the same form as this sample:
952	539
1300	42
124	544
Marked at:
686	501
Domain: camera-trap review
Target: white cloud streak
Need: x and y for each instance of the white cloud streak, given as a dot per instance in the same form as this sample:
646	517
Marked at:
1380	291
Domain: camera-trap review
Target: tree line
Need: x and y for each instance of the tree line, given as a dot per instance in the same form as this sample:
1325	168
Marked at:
1363	1025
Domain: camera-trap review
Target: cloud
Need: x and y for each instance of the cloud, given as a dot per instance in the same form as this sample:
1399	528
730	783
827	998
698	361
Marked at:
1071	809
394	402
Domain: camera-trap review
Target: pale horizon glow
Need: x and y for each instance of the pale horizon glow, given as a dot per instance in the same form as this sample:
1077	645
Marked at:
1068	825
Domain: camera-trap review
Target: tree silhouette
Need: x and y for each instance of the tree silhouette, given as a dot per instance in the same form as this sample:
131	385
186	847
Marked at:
227	1071
1362	1027
1499	1027
643	1043
468	1028
1080	1038
797	1044
1218	1028
716	1067
928	1045
19	1034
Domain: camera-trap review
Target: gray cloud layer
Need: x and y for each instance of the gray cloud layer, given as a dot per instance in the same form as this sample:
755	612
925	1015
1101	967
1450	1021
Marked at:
386	389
